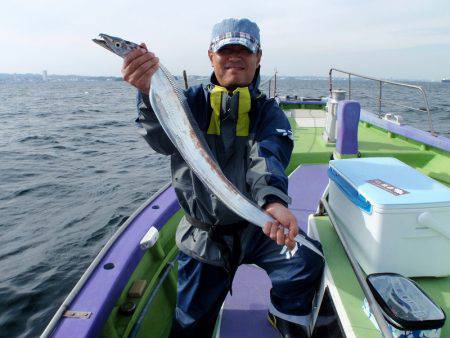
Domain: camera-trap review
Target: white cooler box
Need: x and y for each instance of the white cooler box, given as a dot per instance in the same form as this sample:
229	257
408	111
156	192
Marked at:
395	218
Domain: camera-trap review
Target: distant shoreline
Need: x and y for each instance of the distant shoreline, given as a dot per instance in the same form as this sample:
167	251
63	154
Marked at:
29	77
32	77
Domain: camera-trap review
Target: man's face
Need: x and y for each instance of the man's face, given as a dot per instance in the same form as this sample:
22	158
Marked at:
234	65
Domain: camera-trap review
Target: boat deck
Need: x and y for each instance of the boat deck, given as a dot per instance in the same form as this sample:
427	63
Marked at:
346	292
310	148
245	313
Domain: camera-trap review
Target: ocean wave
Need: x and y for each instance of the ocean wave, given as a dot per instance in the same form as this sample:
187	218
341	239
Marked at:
46	138
75	221
39	190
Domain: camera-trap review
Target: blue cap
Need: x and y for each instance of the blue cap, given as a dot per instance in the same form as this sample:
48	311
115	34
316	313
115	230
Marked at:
235	32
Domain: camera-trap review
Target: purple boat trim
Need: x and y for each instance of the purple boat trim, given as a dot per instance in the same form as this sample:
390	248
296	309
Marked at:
103	287
440	142
306	186
302	102
245	313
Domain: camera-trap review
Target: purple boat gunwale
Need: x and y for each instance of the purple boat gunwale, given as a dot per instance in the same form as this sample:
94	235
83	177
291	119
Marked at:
99	290
439	142
286	102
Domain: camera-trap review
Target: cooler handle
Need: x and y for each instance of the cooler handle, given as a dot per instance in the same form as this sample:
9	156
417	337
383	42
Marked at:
426	219
351	193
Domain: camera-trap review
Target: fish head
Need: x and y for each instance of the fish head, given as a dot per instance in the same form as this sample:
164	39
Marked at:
116	45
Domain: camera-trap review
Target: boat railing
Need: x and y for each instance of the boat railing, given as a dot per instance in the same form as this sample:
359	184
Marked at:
272	82
379	98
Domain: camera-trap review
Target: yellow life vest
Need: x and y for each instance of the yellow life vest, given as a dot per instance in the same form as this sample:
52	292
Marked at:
243	120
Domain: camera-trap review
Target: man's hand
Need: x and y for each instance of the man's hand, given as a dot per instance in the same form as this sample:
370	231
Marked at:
138	68
283	219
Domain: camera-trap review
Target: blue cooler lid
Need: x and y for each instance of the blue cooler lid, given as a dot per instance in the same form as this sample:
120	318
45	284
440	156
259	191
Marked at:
388	183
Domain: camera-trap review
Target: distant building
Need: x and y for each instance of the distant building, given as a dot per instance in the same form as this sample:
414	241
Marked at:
44	75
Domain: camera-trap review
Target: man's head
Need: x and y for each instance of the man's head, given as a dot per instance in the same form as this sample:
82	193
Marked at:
235	52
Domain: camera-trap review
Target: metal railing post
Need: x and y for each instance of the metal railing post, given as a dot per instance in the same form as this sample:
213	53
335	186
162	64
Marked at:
349	87
330	80
186	86
430	124
275	84
379	98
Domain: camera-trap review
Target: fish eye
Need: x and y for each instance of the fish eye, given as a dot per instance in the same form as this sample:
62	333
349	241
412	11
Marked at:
117	44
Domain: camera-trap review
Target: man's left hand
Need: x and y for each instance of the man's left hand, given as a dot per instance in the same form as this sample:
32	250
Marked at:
283	219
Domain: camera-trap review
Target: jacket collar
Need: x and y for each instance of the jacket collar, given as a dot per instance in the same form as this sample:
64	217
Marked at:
253	87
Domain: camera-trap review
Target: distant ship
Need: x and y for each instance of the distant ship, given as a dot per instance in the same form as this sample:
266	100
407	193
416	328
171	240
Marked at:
445	80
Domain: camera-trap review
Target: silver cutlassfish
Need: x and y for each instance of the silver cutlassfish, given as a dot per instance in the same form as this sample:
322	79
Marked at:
172	110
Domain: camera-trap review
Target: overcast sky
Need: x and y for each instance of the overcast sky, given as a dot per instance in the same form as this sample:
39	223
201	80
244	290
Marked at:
385	38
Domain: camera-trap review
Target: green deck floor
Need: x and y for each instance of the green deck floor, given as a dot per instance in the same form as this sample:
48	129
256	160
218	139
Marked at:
350	293
309	147
344	280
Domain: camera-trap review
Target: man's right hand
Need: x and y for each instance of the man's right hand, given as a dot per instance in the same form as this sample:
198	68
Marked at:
138	68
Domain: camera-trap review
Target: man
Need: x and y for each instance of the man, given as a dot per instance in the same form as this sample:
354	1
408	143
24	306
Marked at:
250	138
